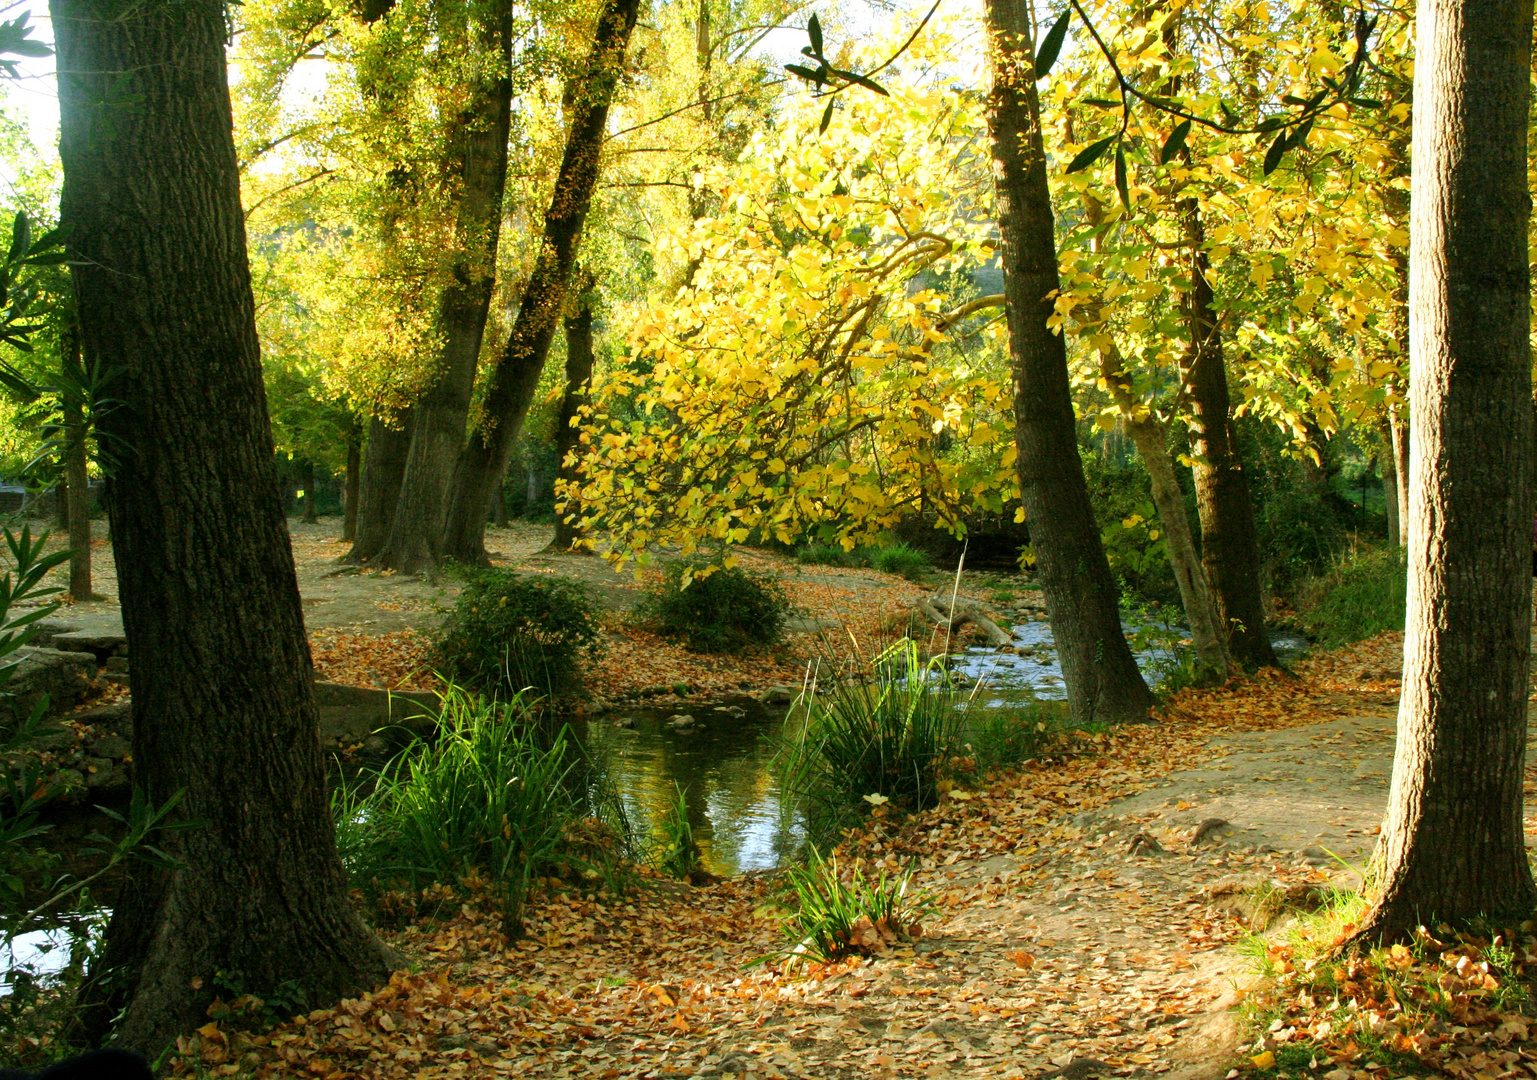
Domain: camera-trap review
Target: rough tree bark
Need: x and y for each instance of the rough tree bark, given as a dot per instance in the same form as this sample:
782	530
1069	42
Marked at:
1452	844
74	493
579	364
479	136
224	710
1399	433
1103	683
511	390
1229	546
384	463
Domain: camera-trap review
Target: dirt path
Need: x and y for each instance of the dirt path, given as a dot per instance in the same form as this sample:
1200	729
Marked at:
1089	908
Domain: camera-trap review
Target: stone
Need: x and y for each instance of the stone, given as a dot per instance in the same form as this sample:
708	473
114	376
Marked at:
350	714
681	722
778	695
112	746
625	722
117	665
1214	830
60	676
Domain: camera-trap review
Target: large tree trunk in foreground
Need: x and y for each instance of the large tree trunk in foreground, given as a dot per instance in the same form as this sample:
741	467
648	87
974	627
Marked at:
384	464
442	411
579	365
486	457
224	710
1229	546
1103	683
75	491
1452	844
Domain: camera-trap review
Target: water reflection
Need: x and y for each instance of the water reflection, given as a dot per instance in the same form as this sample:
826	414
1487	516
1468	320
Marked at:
722	763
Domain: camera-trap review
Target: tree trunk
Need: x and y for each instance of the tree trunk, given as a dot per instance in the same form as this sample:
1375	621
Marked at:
224	710
1389	483
1103	683
499	506
486	457
307	478
384	463
77	496
1452	842
61	502
579	365
1229	547
1399	433
442	411
350	509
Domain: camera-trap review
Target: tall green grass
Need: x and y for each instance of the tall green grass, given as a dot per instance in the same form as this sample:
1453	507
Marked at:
493	795
902	560
887	738
1364	593
1000	738
837	912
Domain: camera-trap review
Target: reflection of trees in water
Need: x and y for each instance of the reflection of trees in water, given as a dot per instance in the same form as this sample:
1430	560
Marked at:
724	768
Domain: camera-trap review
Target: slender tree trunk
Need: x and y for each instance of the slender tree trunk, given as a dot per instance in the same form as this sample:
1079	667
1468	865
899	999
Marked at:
224	709
384	463
499	506
1229	547
1389	483
437	437
1398	432
350	509
1452	845
579	365
1103	683
61	502
511	390
307	478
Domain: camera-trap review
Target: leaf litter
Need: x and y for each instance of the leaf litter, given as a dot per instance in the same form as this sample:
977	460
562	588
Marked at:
1062	934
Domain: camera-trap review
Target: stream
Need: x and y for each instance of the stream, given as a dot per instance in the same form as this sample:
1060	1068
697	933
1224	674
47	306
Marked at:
723	765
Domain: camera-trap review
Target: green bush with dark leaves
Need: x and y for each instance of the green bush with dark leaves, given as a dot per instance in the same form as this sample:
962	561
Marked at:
716	609
508	634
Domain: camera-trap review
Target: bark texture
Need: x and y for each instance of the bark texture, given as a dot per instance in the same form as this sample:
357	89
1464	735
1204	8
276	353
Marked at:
1389	484
1452	844
384	464
1229	546
1103	683
579	365
75	492
511	390
224	710
479	136
350	497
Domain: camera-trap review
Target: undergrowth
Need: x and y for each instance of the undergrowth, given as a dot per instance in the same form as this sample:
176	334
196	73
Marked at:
1444	1001
507	634
1362	594
716	609
494	796
902	560
836	912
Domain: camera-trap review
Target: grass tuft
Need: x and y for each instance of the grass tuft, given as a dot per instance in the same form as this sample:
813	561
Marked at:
901	559
840	912
1360	596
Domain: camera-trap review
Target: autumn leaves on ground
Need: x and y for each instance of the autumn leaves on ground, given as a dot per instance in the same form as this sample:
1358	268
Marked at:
1093	911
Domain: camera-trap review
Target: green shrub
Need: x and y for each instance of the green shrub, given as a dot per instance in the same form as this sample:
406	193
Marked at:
902	560
716	609
838	913
492	794
1361	595
886	739
676	853
507	634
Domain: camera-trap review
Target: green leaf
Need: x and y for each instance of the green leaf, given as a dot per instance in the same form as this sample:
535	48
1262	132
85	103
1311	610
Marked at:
1120	177
1299	135
806	73
856	77
1091	153
1366	102
1103	103
1051	44
1293	99
814	29
1270	123
1175	142
21	238
1276	152
827	118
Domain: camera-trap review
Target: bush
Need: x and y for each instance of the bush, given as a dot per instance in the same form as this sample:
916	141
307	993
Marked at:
888	739
1360	596
491	795
716	609
902	560
508	634
675	852
839	913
